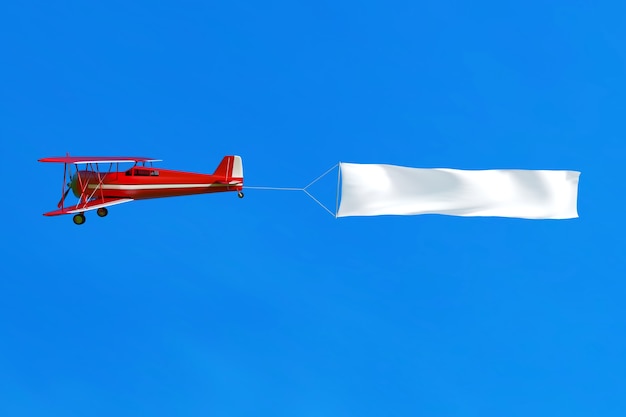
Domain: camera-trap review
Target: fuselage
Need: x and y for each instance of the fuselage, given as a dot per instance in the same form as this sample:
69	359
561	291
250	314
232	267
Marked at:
147	182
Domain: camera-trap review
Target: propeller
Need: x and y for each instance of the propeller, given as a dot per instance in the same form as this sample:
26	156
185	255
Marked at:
69	188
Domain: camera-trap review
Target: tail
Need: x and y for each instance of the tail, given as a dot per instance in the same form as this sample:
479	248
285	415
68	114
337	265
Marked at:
230	170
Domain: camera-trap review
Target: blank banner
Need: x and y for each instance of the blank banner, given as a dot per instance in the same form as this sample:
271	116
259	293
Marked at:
376	189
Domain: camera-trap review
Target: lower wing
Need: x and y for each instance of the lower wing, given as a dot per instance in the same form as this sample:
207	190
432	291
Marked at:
90	205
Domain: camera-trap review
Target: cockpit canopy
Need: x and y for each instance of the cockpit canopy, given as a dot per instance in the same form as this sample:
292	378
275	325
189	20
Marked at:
142	172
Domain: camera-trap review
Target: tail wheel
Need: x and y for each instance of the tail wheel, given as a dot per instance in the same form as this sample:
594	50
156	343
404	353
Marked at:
79	218
102	211
240	194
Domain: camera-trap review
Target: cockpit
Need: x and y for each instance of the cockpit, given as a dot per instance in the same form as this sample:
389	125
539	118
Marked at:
142	172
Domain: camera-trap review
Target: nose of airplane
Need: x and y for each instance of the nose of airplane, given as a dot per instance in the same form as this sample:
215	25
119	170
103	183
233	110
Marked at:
74	185
71	185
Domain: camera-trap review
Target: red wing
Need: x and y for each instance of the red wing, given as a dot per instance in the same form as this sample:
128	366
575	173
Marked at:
91	205
96	159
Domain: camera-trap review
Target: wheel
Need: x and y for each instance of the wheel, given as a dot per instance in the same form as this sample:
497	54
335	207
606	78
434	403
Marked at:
79	219
240	194
102	211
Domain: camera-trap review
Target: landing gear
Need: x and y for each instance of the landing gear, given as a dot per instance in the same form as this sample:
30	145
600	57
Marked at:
240	194
79	219
102	211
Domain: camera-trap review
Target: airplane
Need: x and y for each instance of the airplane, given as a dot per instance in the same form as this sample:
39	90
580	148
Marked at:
97	189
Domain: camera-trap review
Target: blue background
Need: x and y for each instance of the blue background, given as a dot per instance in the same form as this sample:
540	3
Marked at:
211	305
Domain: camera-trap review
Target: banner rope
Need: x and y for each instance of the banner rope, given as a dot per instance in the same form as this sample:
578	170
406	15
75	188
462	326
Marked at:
248	187
305	190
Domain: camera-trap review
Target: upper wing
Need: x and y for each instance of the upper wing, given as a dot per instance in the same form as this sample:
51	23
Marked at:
91	205
97	159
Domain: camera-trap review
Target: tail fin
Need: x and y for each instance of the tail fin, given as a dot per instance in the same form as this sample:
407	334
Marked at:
231	168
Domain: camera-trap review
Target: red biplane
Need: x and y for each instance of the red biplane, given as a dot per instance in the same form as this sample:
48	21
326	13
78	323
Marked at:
97	189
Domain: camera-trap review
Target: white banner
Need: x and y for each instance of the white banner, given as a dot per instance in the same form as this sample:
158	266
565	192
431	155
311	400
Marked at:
375	189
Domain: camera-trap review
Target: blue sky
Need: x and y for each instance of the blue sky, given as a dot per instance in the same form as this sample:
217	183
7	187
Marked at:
211	305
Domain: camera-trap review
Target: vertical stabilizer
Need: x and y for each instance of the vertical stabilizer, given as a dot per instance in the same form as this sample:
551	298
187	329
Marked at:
231	168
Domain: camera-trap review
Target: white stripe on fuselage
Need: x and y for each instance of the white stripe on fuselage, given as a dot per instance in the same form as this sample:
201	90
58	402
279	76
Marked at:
158	186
